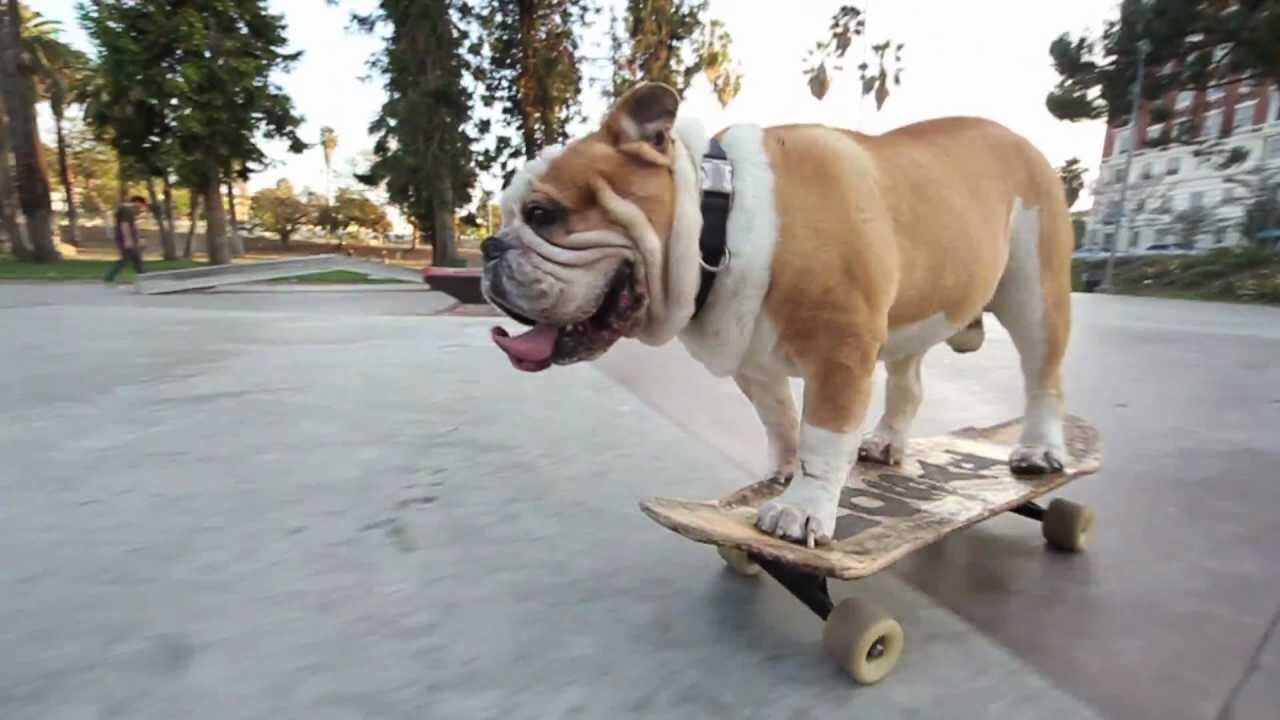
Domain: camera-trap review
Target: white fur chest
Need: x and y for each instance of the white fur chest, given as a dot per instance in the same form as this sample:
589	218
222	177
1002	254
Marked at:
721	336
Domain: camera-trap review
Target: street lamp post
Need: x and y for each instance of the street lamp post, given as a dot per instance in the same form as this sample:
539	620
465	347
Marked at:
1143	48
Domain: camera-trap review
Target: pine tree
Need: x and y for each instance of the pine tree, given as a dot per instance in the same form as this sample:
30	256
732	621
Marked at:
423	151
533	74
671	41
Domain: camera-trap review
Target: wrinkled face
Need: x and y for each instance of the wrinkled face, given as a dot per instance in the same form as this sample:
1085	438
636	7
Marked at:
581	254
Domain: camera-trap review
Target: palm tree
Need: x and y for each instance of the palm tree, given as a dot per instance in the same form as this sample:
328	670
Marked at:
8	212
19	93
59	72
329	143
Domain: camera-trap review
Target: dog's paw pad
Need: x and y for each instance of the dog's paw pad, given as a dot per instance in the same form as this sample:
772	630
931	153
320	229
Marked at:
1036	460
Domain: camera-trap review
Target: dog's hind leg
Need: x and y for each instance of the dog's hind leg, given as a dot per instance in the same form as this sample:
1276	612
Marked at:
1033	301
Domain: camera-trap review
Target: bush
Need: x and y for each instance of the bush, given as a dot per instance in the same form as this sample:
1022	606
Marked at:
1239	258
1263	287
1197	276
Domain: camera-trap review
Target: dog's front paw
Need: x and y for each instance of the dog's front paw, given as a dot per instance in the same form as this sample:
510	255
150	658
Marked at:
805	512
882	448
1037	460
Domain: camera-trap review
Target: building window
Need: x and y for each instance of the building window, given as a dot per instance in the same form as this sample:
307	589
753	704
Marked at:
1197	199
1273	148
1244	115
1212	126
1146	171
1228	194
1214	94
1175	164
1122	141
1184	99
1139	205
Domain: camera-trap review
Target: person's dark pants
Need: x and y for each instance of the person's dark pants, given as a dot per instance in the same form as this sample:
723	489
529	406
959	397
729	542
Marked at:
128	255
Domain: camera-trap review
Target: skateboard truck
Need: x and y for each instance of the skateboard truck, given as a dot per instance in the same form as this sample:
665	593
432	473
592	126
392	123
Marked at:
809	588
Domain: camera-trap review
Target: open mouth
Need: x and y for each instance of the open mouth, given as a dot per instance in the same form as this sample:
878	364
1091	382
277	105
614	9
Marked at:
547	344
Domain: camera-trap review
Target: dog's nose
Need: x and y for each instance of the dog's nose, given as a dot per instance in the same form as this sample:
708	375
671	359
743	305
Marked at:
493	247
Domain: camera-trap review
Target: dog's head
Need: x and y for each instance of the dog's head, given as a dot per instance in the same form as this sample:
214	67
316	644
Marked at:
599	238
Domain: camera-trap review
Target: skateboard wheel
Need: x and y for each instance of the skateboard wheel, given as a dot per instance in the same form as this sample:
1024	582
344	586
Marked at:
739	561
1066	525
863	639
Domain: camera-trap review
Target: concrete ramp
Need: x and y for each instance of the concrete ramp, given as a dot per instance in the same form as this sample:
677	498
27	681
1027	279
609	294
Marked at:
206	278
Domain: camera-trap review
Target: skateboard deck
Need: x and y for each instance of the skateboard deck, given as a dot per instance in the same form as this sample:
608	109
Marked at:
945	483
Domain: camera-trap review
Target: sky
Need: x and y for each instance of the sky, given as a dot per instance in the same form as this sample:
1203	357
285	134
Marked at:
984	57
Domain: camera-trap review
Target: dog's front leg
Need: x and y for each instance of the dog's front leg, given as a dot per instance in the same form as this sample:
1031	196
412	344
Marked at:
776	405
836	393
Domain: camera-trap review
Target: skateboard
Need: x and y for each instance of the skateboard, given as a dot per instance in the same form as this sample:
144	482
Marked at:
944	483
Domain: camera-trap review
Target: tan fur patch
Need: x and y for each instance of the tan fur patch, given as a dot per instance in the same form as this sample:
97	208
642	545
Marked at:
571	176
877	232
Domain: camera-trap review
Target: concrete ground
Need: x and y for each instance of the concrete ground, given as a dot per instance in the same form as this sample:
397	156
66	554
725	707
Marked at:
321	504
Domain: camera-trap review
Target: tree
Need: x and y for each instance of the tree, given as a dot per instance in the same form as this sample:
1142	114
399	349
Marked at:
190	85
328	143
16	78
423	151
194	200
58	71
1262	213
669	41
355	208
533	74
97	169
278	210
323	214
849	22
1261	199
1191	223
132	97
8	212
1192	45
1072	174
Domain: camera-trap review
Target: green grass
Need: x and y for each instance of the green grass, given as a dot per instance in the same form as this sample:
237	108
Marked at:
79	270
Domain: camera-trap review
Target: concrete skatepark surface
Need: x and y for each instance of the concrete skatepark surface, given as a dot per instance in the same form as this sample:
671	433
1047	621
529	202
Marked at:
323	504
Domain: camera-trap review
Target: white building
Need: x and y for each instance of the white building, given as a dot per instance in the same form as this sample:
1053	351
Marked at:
1168	179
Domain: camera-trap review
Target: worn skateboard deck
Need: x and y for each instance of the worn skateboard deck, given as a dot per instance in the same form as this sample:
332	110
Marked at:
944	483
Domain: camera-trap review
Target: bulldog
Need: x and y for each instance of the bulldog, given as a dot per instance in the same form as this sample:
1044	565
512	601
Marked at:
793	251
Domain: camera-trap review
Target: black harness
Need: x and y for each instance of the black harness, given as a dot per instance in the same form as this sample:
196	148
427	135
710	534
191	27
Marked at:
717	199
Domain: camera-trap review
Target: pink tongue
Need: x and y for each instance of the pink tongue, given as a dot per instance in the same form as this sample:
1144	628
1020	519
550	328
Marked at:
530	351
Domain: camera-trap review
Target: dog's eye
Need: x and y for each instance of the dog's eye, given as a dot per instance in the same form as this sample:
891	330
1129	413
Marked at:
540	216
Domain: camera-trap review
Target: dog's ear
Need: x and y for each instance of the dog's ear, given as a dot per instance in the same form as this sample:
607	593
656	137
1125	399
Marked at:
640	123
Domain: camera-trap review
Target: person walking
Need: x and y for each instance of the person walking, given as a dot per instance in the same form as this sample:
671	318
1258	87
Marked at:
126	234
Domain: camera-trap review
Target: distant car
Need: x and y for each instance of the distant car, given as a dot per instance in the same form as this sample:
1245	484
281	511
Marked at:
1166	249
1089	253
